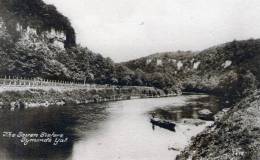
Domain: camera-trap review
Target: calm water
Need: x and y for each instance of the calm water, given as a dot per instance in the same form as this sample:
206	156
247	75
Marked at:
108	131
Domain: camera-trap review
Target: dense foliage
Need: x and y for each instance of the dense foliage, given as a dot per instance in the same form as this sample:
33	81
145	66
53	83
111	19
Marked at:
36	14
220	69
230	70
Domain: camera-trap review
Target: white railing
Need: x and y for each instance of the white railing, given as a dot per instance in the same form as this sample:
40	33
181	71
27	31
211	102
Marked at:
25	83
45	83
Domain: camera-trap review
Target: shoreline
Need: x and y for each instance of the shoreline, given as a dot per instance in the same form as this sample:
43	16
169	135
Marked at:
24	98
187	125
234	134
33	98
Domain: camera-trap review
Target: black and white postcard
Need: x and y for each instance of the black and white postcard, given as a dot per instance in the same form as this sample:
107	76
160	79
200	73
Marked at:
129	80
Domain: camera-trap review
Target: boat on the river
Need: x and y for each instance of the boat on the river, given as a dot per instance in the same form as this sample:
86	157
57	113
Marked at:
163	124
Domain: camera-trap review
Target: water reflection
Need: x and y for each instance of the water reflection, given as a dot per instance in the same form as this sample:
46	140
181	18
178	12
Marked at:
70	121
127	133
190	110
108	131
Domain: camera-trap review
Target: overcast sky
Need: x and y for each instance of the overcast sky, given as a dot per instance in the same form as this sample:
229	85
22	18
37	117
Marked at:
128	29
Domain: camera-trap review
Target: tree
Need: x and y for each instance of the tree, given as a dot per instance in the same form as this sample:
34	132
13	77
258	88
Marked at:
126	80
157	80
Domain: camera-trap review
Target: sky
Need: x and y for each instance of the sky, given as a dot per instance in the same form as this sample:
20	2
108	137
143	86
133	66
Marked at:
129	29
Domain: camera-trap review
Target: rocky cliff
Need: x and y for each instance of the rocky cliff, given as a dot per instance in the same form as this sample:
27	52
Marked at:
36	41
37	15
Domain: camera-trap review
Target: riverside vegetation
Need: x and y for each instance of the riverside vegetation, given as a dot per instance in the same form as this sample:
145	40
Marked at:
46	97
36	41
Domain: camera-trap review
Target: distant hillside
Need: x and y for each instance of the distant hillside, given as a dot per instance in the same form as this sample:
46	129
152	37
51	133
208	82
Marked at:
232	71
230	66
157	61
160	69
39	42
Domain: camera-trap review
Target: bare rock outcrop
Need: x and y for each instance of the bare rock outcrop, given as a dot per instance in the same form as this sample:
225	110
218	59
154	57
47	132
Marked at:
236	135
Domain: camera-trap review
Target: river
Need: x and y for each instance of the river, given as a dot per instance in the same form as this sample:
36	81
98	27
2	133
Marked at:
106	131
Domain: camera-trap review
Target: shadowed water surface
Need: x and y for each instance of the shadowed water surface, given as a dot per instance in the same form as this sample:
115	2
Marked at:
107	131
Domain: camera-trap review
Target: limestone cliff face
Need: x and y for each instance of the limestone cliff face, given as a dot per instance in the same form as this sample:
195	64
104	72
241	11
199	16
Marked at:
3	30
30	53
30	41
35	14
38	41
29	37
